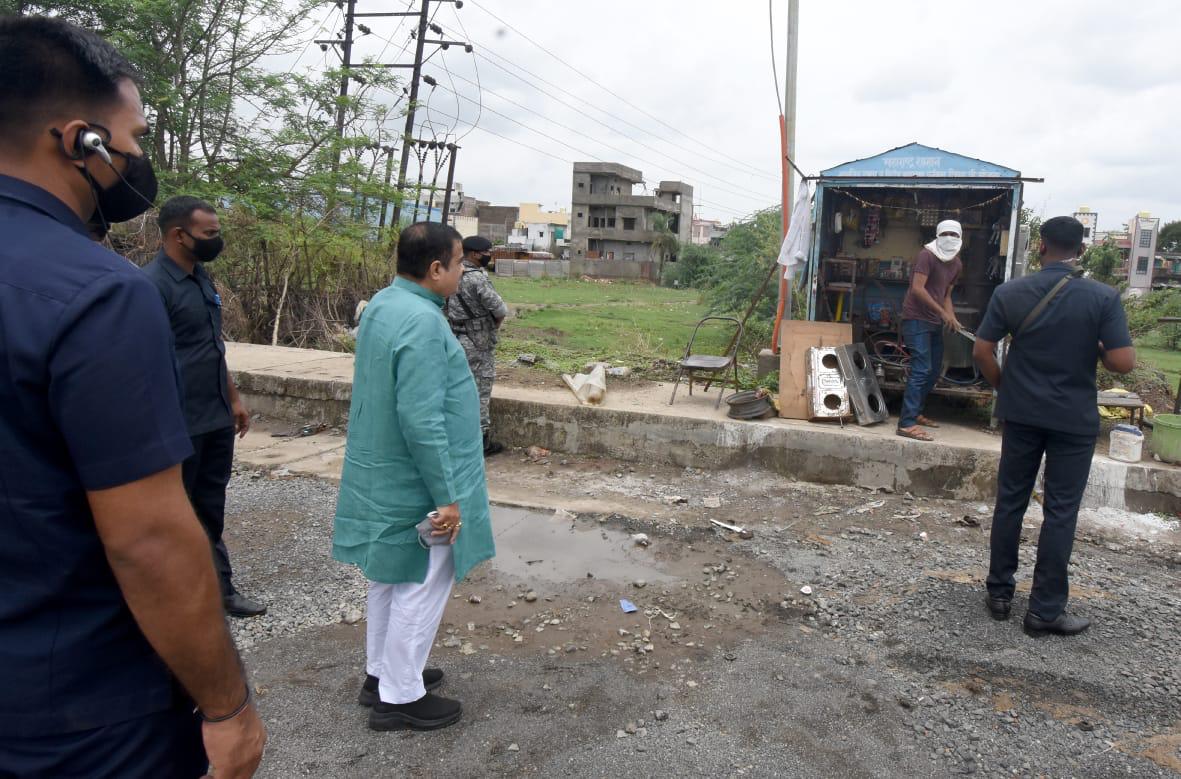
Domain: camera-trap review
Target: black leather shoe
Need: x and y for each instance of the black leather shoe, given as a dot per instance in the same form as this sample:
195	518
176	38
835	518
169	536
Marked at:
1065	625
432	679
238	605
998	607
429	712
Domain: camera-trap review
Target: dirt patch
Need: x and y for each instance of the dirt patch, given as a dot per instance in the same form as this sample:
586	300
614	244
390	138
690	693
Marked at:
1070	713
525	376
557	581
1164	750
548	335
1023	587
1003	701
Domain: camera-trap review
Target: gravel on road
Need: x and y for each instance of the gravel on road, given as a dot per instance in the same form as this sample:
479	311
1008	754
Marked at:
847	637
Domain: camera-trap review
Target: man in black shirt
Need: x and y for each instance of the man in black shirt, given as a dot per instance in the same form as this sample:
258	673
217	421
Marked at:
191	236
1046	398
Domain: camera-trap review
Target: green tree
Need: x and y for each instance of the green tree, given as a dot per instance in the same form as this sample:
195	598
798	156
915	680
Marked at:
1101	260
299	202
1169	239
1033	261
694	266
664	243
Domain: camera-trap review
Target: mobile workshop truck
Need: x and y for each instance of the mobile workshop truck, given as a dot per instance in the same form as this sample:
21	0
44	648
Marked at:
871	219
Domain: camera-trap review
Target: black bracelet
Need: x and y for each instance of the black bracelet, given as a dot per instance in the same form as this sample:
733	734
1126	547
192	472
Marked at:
241	708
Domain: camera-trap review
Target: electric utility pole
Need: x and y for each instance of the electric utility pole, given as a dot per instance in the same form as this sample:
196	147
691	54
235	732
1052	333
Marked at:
346	45
346	54
789	102
787	144
408	132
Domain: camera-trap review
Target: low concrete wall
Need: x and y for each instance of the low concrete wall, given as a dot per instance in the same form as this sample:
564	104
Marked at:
534	269
824	455
295	399
819	454
613	269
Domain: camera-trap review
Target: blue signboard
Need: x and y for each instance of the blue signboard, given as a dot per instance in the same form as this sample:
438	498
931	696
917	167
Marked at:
917	160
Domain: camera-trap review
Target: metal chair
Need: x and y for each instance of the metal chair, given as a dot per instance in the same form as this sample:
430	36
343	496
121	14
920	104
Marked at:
708	363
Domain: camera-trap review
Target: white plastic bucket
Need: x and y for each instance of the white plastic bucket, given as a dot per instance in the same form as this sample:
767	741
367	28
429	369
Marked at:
1127	444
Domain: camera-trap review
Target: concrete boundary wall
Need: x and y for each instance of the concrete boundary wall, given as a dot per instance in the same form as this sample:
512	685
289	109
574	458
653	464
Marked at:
820	454
534	269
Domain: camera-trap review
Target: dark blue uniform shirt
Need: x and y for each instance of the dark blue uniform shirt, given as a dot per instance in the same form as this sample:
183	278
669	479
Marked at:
1049	372
194	309
89	400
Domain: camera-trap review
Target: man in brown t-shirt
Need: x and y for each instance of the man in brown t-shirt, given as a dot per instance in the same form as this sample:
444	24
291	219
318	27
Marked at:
925	312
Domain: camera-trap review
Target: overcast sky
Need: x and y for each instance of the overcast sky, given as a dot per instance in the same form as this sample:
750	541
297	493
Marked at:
1084	94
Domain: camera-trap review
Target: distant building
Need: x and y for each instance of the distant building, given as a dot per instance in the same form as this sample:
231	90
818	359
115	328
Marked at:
466	225
496	223
707	232
433	199
1142	232
1090	220
612	222
540	230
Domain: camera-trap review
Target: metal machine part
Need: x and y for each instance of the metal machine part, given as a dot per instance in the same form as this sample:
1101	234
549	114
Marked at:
828	397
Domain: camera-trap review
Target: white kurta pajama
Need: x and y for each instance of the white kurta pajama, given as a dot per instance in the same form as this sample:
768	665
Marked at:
414	444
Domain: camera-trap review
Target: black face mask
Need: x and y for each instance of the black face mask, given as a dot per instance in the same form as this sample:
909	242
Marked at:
134	193
206	249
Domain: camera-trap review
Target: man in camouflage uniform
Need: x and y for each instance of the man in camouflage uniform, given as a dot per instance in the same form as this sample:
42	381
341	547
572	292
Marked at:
476	312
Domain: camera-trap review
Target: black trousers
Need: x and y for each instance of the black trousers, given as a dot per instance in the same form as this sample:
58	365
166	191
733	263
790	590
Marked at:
165	744
1068	464
206	475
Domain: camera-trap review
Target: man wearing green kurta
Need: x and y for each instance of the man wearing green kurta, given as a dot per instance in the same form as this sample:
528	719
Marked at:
414	446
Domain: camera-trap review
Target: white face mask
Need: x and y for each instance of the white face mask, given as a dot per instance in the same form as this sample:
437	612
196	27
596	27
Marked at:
949	246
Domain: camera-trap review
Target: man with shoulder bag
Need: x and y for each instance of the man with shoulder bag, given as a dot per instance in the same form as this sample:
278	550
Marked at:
1061	326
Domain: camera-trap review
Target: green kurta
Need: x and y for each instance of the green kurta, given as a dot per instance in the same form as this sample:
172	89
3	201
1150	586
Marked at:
414	441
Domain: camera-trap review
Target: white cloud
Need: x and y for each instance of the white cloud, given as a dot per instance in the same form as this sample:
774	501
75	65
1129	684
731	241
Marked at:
1079	93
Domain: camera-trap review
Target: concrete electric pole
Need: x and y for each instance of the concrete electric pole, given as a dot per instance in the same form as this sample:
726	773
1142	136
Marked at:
787	141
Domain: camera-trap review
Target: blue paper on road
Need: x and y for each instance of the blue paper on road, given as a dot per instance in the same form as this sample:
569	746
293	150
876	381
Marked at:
627	606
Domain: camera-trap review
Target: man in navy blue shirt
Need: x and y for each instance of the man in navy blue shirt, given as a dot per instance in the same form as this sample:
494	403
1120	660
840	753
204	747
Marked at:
191	237
111	625
1047	400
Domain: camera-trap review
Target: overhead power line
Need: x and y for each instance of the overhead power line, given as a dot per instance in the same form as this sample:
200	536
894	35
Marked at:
774	67
568	161
727	186
674	160
476	69
609	91
481	51
527	127
611	128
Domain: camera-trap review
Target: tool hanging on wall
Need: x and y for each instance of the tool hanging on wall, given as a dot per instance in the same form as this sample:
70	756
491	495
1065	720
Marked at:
873	221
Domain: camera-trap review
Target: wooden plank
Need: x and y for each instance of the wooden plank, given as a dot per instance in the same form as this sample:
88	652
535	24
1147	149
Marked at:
795	338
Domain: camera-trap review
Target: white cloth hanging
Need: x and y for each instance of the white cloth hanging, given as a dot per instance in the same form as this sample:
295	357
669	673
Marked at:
793	254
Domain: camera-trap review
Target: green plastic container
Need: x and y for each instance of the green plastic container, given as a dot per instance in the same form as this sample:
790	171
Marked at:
1166	437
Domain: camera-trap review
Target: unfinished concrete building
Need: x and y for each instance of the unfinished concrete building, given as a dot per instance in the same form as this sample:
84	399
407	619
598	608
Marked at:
612	227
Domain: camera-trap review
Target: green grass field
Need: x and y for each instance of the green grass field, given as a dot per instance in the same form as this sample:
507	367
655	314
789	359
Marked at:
572	292
576	322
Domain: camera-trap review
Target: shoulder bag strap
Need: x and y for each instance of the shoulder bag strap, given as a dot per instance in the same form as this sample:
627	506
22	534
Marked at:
1032	316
